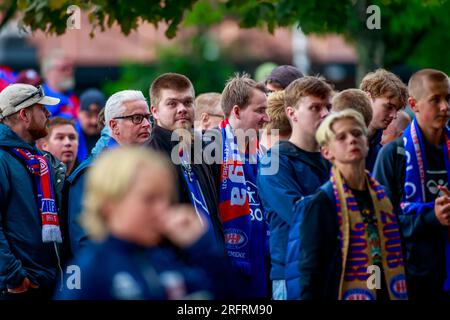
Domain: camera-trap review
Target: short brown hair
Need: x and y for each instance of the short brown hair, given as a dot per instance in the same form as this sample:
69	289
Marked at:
238	91
354	99
207	102
56	122
277	113
382	82
173	81
416	82
306	86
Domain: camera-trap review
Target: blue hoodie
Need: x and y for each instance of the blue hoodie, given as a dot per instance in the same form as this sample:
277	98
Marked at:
300	173
22	252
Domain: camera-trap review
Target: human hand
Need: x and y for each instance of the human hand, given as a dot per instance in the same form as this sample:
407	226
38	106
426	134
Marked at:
183	226
24	286
442	207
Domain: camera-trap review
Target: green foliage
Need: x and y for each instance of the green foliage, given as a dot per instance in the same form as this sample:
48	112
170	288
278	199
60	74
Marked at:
189	59
408	27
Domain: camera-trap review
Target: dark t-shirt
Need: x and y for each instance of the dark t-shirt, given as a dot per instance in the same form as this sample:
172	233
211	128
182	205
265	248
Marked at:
367	210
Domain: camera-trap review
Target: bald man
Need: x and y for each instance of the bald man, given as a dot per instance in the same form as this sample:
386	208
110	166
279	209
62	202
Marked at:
208	112
415	170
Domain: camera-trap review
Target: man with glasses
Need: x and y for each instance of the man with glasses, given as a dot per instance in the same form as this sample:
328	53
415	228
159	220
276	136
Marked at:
208	112
30	193
128	117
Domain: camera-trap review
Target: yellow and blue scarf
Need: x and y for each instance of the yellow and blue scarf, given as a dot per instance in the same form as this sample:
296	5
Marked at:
355	243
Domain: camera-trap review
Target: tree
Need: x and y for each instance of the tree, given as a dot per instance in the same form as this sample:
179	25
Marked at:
410	31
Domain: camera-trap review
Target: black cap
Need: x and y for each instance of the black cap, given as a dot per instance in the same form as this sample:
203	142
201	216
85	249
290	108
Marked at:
92	96
284	75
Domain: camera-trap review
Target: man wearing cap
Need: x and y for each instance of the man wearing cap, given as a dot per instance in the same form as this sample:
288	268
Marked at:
30	195
91	102
281	77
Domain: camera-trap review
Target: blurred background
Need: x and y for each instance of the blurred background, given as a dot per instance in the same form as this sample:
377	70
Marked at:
214	39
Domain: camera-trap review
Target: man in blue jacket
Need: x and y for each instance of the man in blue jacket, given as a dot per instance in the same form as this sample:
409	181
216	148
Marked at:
128	117
301	168
30	187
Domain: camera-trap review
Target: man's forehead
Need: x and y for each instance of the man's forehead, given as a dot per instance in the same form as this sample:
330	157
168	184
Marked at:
436	88
135	104
167	94
63	129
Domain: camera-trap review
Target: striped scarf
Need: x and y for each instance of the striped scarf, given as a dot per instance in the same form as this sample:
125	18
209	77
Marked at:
234	207
415	180
38	166
354	242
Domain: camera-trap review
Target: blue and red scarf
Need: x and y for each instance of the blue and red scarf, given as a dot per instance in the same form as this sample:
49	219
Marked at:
39	168
415	179
234	207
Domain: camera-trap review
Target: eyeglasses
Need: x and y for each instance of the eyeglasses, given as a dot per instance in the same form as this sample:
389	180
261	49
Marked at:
39	92
137	118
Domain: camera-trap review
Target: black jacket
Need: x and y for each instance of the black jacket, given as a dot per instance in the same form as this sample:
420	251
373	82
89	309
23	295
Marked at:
161	141
423	235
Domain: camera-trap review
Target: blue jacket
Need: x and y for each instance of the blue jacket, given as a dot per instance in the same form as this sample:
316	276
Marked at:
300	173
117	270
374	149
423	235
74	195
313	268
22	252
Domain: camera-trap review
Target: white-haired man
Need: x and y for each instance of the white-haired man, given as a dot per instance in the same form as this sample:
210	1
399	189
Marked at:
128	117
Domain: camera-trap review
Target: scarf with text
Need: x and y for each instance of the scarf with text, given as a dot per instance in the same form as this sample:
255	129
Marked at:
234	207
355	243
38	166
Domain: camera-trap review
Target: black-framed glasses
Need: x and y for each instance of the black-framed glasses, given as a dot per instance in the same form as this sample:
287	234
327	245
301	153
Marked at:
137	118
39	92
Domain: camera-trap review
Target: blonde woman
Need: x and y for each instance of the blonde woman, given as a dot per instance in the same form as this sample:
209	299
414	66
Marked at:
345	242
139	236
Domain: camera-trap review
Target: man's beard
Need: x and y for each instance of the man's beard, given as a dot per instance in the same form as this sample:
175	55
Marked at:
37	131
66	84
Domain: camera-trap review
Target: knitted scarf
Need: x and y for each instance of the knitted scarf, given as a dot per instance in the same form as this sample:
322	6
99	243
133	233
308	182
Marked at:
416	168
234	207
38	166
357	247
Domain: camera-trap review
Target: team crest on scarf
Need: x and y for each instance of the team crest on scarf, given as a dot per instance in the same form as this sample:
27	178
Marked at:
234	206
354	243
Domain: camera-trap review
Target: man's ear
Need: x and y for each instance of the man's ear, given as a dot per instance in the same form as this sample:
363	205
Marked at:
326	153
413	104
290	111
113	125
24	115
42	144
204	119
154	112
236	111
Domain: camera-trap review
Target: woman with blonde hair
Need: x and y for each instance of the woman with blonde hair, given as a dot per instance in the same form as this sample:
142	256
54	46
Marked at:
139	235
345	241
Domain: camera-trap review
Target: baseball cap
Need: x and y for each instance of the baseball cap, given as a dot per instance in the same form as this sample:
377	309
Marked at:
284	75
18	96
92	96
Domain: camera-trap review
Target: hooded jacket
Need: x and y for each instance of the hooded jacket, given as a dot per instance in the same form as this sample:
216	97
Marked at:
22	252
